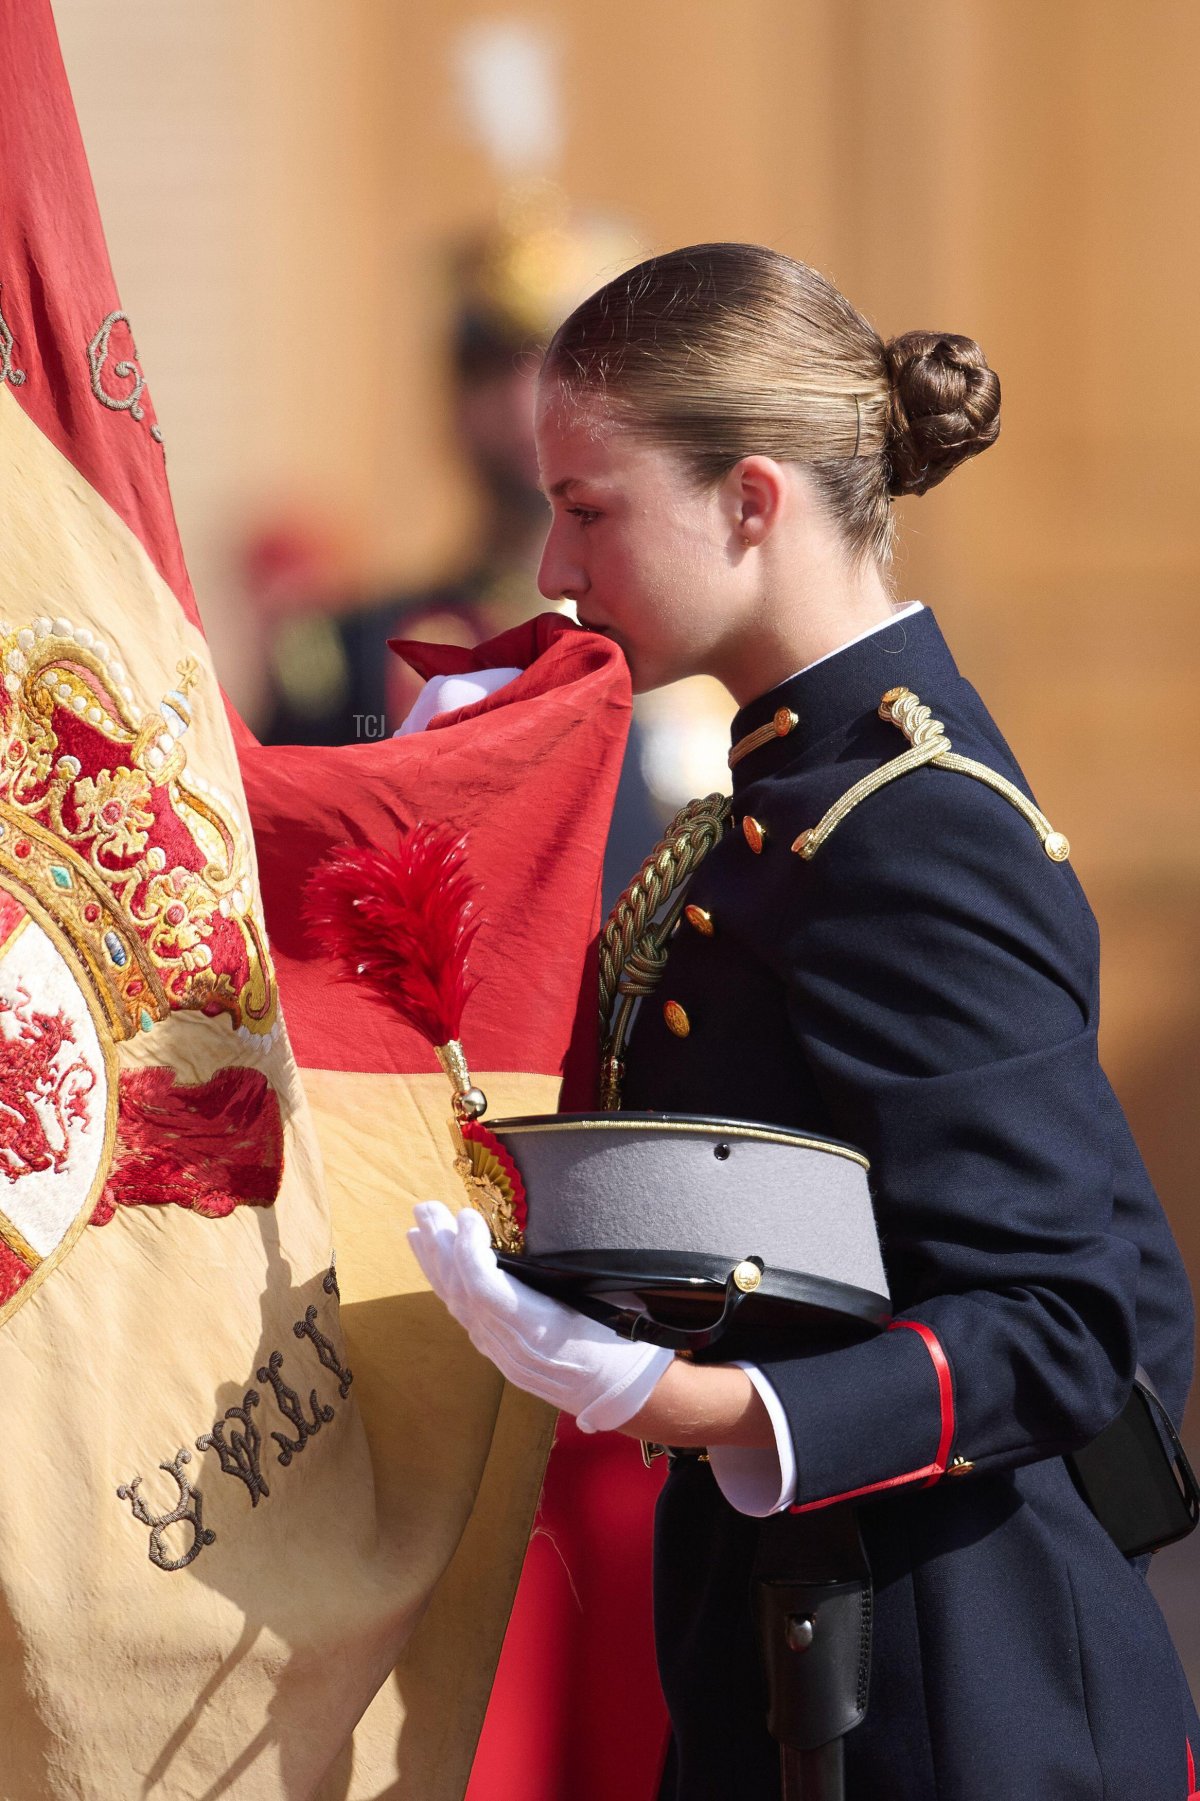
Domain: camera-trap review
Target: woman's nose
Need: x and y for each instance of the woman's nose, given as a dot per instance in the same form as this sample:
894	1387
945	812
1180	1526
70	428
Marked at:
559	577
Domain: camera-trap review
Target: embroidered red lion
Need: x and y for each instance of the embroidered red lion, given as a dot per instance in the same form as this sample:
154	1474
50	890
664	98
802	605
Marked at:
35	1091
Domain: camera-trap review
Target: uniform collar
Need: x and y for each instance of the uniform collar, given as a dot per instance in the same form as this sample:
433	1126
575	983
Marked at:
838	689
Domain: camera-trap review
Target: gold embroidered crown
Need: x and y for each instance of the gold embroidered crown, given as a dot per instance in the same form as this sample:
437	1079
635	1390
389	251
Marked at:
144	874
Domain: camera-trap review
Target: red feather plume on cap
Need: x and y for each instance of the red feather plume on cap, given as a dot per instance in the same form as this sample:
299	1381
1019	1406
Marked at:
402	922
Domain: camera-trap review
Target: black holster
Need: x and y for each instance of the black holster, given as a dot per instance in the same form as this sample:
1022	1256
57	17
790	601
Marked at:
813	1603
1136	1478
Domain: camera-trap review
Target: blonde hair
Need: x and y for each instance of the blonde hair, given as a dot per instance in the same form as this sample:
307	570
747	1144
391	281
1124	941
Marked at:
721	351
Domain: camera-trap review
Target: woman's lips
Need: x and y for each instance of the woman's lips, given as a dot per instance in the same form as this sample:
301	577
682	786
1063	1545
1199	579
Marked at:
609	632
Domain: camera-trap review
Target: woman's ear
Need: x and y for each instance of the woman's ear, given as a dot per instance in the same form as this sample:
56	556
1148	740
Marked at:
756	493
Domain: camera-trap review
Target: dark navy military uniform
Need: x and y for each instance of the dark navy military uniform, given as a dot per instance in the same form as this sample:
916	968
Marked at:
926	987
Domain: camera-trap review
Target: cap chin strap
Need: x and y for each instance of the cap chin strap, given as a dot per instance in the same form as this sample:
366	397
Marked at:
639	1327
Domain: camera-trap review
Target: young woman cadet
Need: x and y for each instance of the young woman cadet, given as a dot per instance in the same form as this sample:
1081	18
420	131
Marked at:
721	435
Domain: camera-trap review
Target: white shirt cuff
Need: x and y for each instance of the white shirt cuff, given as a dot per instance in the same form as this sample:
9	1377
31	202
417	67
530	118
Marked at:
446	693
758	1482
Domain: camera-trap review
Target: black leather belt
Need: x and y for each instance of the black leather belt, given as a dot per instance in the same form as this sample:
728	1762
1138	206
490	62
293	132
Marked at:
673	1453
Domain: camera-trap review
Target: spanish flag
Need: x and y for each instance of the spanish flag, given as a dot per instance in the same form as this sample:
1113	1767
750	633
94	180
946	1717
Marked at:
262	1507
528	776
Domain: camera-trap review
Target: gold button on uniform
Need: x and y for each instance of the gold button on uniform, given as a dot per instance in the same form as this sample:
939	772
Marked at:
700	919
961	1466
676	1018
754	833
1057	847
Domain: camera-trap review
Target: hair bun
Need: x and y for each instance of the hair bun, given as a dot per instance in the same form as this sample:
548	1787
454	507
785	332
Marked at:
945	407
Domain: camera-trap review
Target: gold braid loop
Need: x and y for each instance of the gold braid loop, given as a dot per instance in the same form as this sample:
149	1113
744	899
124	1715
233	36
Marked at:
901	707
633	943
687	841
643	972
927	740
928	744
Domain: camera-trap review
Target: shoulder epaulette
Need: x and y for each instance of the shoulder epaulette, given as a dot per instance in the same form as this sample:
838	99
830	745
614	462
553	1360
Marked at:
928	744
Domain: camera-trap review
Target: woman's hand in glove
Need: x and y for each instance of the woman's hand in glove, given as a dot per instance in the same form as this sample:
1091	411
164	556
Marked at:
578	1365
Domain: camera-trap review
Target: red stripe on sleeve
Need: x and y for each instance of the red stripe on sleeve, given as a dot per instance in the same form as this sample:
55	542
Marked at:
945	1390
1192	1790
928	1473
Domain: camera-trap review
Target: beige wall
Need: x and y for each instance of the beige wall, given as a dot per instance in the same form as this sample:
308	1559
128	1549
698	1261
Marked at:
277	175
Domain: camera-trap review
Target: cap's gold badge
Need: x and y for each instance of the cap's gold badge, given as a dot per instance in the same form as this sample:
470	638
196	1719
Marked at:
493	1182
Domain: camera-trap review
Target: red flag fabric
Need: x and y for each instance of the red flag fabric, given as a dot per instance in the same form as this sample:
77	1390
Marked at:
576	1707
517	772
67	352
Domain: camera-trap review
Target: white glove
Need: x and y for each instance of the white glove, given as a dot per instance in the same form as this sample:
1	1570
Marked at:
576	1364
446	693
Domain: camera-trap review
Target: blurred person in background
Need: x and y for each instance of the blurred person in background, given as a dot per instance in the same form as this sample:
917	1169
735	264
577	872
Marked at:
295	575
334	680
